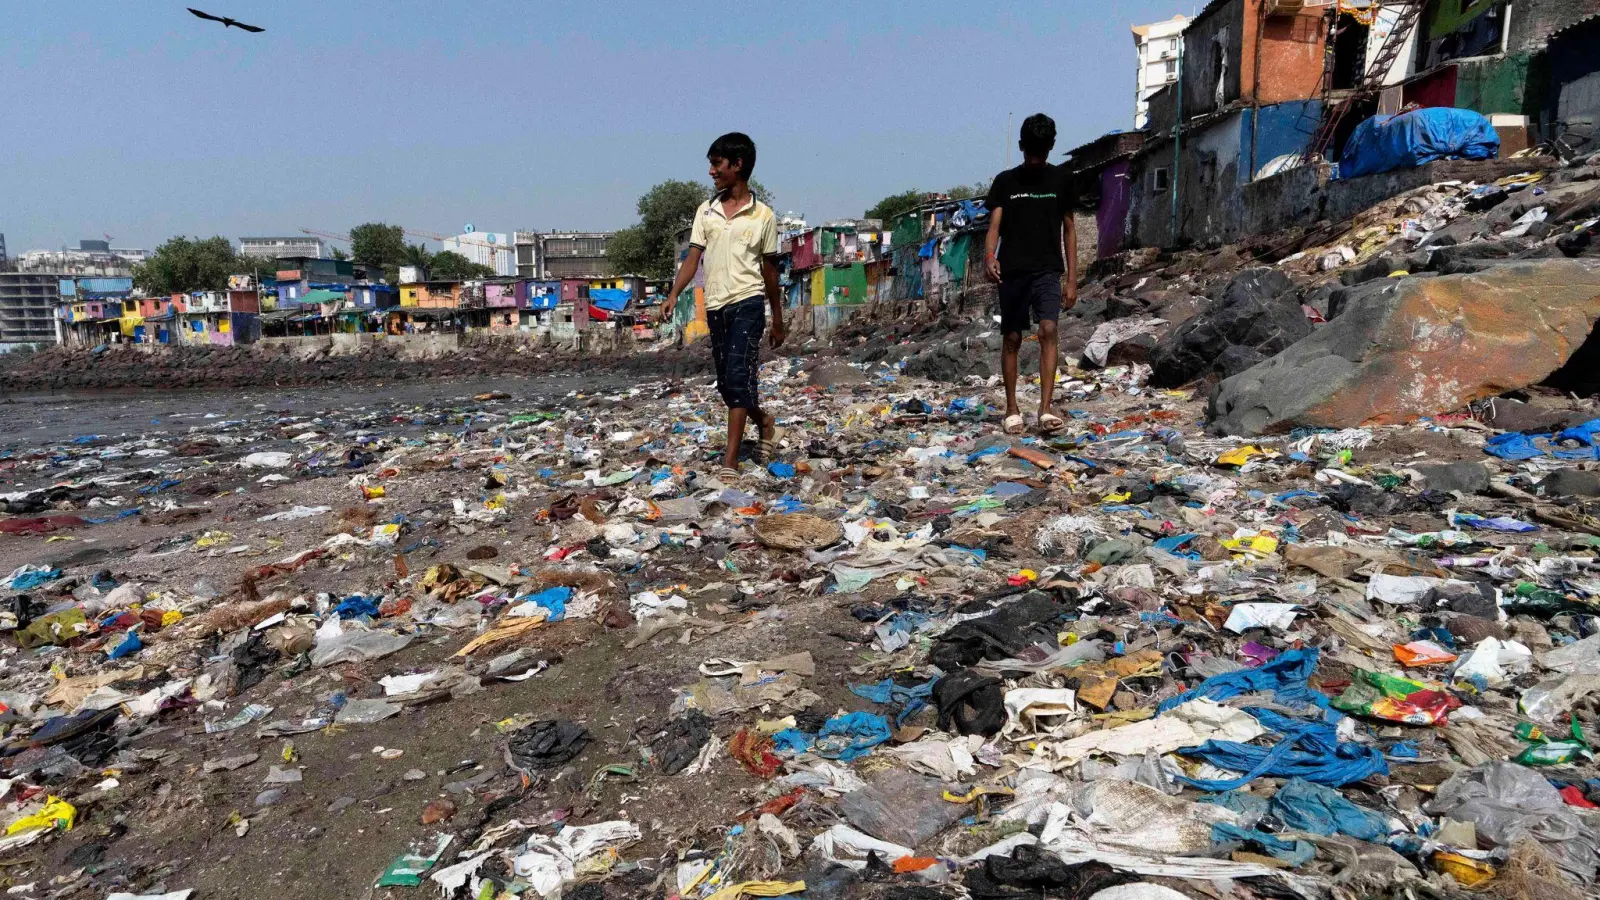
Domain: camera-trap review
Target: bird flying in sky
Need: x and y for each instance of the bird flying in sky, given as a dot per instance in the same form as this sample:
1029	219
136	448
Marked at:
227	22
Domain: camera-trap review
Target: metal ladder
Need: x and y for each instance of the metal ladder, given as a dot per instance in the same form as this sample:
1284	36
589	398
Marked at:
1368	81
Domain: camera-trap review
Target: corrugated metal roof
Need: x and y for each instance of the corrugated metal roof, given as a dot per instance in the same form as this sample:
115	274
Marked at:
1575	26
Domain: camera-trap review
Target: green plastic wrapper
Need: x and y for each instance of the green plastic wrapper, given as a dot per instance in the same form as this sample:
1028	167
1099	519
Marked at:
1403	700
408	869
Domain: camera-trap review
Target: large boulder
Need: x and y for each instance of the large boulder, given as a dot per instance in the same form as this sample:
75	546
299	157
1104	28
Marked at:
1420	347
1255	311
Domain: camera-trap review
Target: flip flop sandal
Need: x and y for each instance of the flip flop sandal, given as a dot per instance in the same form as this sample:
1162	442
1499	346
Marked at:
1014	425
725	474
1050	423
768	449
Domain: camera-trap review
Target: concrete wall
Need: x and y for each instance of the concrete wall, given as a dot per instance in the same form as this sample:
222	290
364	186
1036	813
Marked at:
1534	21
1579	102
1304	196
1208	178
1213	45
1508	84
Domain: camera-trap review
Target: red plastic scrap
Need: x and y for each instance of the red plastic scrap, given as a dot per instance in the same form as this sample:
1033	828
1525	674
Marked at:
41	524
754	751
1574	797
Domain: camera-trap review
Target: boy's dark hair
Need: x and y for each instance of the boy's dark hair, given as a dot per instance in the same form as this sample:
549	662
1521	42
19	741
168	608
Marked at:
1038	134
736	146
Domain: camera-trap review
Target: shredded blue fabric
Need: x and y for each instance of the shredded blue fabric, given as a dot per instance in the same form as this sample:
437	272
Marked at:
130	645
1304	806
1584	433
113	517
554	599
1285	676
887	691
356	607
1514	446
793	740
27	581
850	736
1295	853
1309	749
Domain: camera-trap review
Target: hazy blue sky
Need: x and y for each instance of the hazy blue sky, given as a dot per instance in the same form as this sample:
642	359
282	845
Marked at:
138	120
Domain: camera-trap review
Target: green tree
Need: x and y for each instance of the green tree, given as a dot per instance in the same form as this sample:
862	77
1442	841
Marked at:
969	191
895	205
760	192
377	244
416	255
450	265
187	264
340	254
259	266
650	247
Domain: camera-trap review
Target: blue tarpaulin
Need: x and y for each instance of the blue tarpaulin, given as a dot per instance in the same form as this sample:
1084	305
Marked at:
610	299
1385	143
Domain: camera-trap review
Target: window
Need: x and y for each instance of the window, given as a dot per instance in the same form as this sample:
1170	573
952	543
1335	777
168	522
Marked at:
1171	67
1160	180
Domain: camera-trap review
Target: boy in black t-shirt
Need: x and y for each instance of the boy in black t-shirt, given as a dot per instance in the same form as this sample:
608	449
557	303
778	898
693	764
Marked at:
1030	222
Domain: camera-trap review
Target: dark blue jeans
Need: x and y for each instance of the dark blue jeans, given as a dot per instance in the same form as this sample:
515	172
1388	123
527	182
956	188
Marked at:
736	349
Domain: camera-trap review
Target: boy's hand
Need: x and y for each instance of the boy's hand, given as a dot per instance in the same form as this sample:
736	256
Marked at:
779	334
1069	294
666	311
991	267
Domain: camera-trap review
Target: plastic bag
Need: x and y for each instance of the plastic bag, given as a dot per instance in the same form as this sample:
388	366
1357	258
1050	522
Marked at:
1395	699
57	813
357	646
1508	802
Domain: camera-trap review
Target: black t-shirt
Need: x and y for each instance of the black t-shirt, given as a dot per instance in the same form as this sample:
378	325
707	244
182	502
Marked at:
1035	201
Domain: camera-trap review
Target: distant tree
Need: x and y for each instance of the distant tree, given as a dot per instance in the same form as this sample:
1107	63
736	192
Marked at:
449	265
760	192
259	266
187	264
416	255
895	205
969	191
629	251
649	248
378	244
340	254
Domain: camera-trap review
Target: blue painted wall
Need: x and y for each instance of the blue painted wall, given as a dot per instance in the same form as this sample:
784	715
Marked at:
1283	128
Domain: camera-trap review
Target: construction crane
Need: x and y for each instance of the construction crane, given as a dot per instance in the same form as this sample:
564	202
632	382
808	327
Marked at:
1367	82
432	236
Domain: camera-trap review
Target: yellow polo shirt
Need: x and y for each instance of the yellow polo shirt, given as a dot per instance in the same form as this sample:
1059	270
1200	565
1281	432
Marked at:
733	248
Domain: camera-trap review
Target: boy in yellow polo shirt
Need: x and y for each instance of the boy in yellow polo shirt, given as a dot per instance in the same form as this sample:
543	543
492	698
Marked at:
737	237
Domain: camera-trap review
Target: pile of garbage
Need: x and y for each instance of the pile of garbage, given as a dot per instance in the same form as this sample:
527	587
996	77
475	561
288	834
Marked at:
516	646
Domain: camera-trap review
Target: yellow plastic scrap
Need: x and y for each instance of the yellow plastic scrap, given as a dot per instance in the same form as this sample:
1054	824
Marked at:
1116	498
1241	455
1399	273
977	791
758	889
1466	871
57	814
1256	545
170	617
1524	178
499	633
213	539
